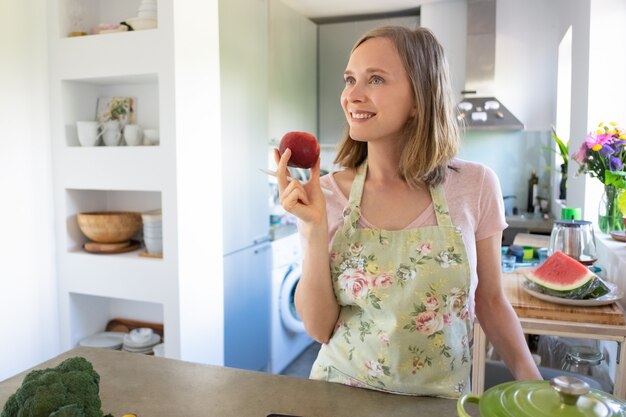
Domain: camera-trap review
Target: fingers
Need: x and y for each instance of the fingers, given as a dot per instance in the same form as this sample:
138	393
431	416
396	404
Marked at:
281	171
293	195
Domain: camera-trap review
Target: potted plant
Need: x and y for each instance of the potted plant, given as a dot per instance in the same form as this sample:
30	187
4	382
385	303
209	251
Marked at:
563	152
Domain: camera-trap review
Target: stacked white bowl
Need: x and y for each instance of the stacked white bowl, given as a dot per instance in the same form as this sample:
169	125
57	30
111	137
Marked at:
141	340
153	231
147	9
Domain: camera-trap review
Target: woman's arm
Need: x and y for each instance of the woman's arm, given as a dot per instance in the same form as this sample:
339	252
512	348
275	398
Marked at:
495	314
315	299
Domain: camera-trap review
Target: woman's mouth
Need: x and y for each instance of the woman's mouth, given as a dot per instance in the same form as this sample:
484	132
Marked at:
362	115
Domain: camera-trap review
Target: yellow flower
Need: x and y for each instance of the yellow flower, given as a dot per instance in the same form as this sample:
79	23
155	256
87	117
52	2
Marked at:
372	268
613	124
439	342
596	147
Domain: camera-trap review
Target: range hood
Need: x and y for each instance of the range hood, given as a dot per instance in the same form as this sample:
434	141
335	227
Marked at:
480	109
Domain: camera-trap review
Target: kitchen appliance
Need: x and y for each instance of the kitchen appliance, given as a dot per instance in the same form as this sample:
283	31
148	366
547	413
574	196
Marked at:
289	339
479	110
575	238
561	396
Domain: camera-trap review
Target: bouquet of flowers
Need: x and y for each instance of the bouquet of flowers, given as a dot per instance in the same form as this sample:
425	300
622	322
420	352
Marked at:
603	156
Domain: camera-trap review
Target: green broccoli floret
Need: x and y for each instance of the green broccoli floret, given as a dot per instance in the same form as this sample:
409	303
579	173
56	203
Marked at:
69	390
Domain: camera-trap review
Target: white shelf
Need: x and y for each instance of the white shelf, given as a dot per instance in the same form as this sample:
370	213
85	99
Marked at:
135	168
124	276
110	55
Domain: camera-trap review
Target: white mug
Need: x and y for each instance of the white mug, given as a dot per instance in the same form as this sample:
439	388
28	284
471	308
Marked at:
133	135
111	134
152	136
88	133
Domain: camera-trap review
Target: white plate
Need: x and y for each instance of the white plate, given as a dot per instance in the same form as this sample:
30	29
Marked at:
106	340
613	296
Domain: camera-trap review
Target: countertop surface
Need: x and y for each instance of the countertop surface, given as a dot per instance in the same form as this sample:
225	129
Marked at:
154	387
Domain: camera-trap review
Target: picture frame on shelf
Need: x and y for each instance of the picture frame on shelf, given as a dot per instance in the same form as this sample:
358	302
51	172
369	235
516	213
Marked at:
116	108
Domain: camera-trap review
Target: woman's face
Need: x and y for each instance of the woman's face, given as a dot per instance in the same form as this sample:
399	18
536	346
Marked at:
378	97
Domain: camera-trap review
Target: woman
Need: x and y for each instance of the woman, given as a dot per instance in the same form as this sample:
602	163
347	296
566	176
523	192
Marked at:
407	248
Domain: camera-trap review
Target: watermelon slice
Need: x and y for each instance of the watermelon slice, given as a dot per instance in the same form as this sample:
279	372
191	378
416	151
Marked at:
561	273
565	277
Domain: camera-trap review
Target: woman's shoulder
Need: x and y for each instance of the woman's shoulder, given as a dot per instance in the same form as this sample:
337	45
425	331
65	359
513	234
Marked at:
464	171
340	180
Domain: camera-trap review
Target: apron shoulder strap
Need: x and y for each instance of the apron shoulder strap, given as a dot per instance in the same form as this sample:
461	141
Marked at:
352	212
441	206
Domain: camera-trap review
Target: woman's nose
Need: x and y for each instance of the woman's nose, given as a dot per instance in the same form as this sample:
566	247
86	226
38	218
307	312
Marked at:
354	93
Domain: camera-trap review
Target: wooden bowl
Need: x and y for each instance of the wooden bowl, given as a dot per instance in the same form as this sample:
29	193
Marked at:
109	227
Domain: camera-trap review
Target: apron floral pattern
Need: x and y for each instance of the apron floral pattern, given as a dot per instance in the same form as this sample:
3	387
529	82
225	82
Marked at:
404	322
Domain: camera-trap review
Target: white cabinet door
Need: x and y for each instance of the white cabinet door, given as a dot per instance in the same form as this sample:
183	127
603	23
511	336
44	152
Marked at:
243	67
247	292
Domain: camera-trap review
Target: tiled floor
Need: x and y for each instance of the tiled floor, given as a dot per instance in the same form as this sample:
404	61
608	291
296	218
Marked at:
301	366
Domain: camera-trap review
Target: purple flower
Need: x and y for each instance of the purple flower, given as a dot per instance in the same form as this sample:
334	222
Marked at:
615	164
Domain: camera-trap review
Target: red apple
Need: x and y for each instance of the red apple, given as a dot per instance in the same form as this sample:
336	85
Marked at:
305	150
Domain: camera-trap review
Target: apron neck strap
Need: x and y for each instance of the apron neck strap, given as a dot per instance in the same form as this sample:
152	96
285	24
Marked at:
440	205
352	212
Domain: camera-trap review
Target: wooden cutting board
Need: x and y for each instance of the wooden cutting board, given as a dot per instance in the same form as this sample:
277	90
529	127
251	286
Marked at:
527	306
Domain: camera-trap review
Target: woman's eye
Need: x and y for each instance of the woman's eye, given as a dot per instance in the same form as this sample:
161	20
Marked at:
376	80
349	80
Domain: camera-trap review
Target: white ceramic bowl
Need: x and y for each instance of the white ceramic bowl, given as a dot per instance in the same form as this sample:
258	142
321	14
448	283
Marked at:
151	136
140	23
141	334
147	14
153	235
153	245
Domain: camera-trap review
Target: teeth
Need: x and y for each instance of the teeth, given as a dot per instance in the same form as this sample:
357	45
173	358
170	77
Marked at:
362	115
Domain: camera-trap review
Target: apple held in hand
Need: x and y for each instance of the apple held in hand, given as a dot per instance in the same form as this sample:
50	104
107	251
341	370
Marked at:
305	150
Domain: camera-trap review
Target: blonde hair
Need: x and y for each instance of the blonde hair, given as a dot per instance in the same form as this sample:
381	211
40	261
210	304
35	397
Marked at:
430	139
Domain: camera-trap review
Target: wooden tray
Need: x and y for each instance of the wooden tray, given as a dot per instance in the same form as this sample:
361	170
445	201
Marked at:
107	250
527	306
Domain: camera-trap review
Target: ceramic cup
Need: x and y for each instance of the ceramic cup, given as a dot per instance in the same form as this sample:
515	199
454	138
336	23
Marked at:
111	134
508	263
133	135
88	133
151	136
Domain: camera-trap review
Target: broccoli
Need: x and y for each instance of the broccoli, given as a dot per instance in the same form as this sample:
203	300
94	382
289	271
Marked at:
69	390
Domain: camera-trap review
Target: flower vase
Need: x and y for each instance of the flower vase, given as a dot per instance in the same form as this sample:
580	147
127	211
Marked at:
609	215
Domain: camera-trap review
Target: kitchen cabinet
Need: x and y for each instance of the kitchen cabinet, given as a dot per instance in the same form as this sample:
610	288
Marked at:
247	292
244	121
168	71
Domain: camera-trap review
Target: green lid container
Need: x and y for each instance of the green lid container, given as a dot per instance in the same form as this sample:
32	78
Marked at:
571	213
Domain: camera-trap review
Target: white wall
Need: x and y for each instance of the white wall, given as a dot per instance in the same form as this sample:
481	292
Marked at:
28	299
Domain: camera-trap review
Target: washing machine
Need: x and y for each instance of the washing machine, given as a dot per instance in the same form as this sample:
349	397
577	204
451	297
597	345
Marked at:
289	338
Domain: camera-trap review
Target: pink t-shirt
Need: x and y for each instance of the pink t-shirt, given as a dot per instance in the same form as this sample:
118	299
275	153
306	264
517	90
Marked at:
474	200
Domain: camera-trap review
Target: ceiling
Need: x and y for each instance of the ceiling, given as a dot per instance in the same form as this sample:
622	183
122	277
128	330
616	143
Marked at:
331	8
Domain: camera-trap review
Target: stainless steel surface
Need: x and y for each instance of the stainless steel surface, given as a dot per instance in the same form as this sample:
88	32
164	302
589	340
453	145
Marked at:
480	110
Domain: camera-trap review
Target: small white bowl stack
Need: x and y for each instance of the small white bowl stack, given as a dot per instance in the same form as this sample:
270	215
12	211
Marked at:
146	16
153	232
141	340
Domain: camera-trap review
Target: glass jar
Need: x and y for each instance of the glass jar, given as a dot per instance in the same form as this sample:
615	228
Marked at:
582	359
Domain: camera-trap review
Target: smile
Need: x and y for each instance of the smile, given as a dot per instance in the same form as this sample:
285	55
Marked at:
362	115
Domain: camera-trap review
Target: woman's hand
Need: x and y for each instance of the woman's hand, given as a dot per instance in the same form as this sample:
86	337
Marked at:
305	201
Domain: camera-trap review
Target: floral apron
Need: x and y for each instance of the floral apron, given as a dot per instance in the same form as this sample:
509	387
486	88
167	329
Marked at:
403	325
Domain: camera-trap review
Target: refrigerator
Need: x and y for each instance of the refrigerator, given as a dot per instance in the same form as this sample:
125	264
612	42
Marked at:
247	252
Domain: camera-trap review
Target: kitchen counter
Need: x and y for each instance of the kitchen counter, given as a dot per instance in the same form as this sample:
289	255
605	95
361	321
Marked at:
152	387
531	222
